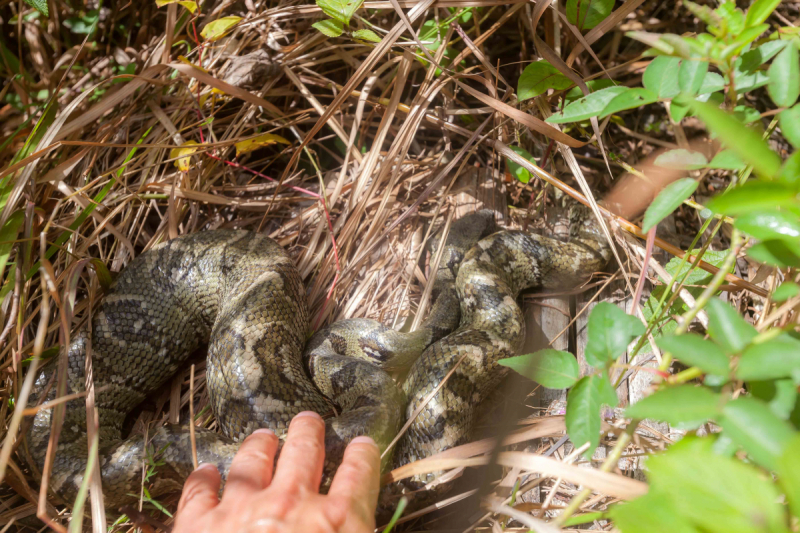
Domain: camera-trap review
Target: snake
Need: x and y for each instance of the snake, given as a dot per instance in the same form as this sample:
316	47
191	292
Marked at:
239	293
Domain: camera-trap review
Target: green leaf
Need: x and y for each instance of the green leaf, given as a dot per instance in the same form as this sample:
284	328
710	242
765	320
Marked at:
756	57
8	234
789	474
336	9
518	171
677	111
682	159
661	76
759	11
753	196
537	78
586	14
685	406
329	27
727	160
691	76
630	99
770	225
40	6
668	200
651	513
553	369
742	39
665	324
712	82
694	350
784	77
215	29
749	81
716	493
727	328
779	253
593	85
589	106
610	330
583	412
790	171
367	35
780	395
786	290
789	120
746	142
775	359
752	425
746	114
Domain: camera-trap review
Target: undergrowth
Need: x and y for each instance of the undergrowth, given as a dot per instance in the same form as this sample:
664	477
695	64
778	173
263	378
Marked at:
327	127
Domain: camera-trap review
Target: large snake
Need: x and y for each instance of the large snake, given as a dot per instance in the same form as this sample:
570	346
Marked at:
239	293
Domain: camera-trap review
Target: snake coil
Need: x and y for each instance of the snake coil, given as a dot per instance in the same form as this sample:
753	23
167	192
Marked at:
239	293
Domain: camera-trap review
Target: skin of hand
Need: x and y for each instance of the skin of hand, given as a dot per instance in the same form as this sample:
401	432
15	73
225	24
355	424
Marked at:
257	501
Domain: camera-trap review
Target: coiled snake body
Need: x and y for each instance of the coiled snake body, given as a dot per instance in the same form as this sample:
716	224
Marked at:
240	293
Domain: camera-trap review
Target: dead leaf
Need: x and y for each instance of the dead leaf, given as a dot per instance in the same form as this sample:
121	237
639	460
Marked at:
188	4
182	155
254	143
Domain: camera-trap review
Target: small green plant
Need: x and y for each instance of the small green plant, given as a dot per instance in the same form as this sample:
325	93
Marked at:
153	461
341	12
742	472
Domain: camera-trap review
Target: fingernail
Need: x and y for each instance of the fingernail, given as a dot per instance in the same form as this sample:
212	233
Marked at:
206	466
264	431
363	439
308	413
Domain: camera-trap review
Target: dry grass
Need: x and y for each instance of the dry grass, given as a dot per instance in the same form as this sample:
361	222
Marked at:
101	184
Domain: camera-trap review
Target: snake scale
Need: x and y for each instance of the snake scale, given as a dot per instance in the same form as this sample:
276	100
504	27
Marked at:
239	293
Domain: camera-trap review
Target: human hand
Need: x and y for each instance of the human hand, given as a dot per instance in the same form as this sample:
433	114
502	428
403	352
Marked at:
255	501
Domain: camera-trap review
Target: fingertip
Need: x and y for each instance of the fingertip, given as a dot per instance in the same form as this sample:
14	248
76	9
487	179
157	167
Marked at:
201	489
364	440
306	416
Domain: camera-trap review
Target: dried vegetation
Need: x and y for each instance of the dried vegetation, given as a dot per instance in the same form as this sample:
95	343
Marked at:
367	142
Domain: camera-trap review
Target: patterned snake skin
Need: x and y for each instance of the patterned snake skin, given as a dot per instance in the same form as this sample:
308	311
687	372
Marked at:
239	293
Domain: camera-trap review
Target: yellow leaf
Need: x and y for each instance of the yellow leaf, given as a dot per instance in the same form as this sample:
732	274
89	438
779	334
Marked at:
217	28
188	4
254	143
183	154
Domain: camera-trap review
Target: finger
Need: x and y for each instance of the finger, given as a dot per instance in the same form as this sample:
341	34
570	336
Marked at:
200	492
357	481
302	456
251	468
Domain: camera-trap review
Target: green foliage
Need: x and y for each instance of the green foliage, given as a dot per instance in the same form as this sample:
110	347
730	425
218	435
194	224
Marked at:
685	407
705	492
610	332
668	201
589	106
341	13
553	369
329	27
537	78
586	14
40	6
784	77
659	76
518	171
727	328
789	120
583	410
694	350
